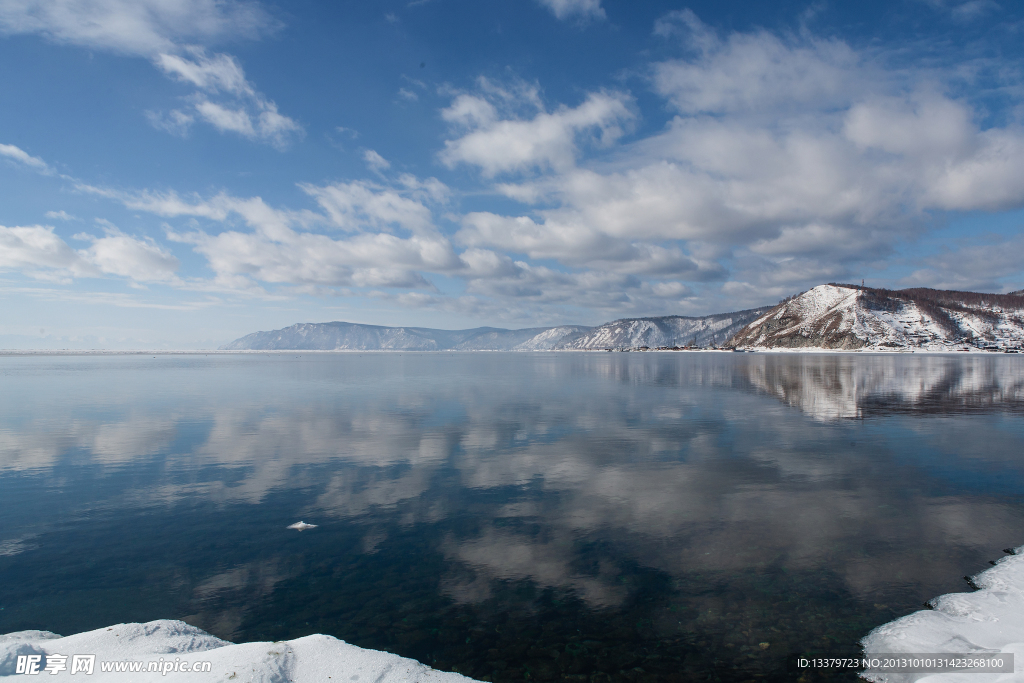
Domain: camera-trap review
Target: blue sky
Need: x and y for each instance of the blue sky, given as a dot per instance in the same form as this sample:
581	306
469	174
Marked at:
178	173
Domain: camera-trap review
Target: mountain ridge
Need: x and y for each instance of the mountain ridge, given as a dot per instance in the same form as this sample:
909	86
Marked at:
625	333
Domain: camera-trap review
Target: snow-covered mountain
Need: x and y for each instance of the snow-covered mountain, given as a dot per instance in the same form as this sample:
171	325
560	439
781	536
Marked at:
341	336
828	317
852	317
668	331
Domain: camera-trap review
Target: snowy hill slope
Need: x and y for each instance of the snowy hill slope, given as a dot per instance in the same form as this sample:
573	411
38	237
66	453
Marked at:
146	653
670	331
851	317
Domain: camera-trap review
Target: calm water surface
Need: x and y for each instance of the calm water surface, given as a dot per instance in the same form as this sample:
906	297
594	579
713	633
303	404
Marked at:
579	517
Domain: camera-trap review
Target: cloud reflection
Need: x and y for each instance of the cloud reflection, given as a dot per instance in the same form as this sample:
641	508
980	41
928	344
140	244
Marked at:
689	464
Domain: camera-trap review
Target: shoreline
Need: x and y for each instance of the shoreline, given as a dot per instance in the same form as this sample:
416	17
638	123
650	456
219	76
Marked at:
989	620
810	350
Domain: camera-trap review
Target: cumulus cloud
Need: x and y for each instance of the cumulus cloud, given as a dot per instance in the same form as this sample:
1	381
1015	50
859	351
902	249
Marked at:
359	205
577	245
141	260
545	140
887	137
36	247
578	9
241	260
36	250
755	73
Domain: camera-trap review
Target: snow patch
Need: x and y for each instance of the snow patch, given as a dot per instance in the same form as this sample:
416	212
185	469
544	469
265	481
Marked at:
311	659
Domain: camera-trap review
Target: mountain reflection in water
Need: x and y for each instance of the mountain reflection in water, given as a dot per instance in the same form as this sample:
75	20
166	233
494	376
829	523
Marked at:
547	515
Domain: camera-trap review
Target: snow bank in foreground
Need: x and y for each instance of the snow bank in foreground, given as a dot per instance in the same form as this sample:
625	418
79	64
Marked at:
988	620
315	658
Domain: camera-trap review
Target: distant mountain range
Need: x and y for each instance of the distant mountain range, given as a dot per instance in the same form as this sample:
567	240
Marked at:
830	316
629	333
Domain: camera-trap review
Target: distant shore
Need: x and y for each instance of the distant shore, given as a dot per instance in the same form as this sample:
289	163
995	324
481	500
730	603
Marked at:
225	352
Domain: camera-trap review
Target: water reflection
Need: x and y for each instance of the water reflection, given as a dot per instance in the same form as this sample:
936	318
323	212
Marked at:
844	386
672	503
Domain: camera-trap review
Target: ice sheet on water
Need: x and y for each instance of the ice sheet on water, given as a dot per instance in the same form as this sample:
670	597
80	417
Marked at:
990	619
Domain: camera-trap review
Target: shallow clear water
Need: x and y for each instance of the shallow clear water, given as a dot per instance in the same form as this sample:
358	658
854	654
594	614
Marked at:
582	517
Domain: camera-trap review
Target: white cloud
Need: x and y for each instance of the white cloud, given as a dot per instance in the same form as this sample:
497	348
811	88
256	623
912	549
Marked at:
141	260
60	215
175	122
756	73
568	9
302	258
580	246
170	33
825	240
244	111
547	140
361	206
225	119
36	247
280	250
137	27
921	126
219	73
991	178
375	161
23	157
36	250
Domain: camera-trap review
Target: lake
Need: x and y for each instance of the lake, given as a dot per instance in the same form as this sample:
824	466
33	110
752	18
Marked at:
511	516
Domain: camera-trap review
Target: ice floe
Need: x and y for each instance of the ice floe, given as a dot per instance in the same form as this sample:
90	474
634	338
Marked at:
175	645
989	620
